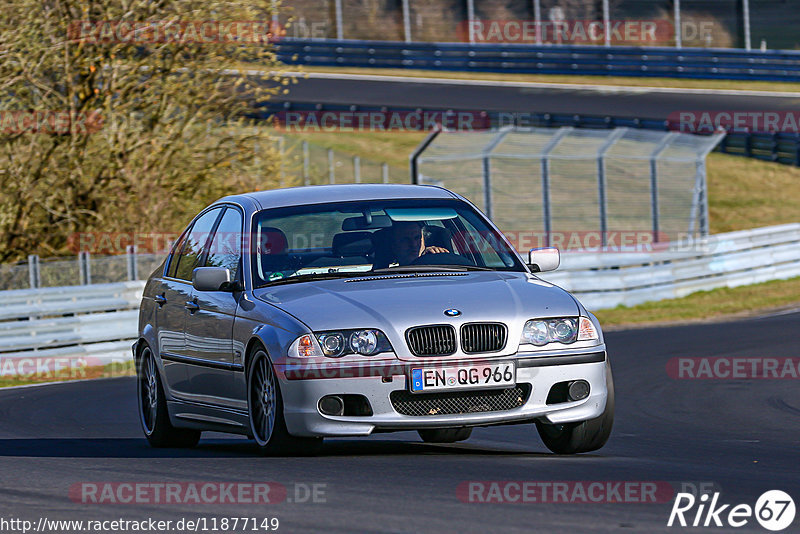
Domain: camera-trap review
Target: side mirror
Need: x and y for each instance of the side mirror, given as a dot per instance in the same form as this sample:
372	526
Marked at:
541	260
213	279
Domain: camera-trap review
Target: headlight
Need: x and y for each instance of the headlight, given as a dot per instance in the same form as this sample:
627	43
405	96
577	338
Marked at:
540	332
365	341
543	331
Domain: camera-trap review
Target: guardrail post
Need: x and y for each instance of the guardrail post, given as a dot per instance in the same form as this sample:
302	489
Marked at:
133	267
677	20
607	22
306	166
470	19
537	20
34	275
357	169
331	172
385	173
84	266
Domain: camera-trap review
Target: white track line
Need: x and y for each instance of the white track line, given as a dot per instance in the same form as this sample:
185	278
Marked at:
619	89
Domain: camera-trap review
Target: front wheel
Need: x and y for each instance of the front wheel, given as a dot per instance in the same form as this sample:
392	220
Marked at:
265	410
583	436
153	413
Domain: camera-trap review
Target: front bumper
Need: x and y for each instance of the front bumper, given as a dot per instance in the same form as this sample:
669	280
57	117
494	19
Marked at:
303	418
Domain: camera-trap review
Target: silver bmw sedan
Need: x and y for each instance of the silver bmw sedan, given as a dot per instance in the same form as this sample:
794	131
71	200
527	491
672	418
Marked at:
297	314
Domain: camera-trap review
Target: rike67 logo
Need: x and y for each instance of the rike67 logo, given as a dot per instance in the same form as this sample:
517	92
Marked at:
774	510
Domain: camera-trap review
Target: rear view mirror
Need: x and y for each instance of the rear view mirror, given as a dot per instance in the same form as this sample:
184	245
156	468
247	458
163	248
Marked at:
211	279
541	260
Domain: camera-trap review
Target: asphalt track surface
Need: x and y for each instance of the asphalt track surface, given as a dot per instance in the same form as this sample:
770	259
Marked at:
630	102
741	435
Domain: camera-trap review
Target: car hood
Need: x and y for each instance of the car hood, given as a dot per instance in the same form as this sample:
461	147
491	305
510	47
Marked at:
394	303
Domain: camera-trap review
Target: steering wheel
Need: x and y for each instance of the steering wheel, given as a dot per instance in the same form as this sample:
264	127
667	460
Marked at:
442	258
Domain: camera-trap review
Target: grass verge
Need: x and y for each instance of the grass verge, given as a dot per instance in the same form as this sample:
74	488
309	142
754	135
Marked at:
111	370
718	303
676	83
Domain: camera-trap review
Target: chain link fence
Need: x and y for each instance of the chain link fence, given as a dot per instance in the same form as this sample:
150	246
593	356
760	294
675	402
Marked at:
549	185
703	23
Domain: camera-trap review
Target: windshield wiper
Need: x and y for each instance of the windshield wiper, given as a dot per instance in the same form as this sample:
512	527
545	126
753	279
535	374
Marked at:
310	278
429	268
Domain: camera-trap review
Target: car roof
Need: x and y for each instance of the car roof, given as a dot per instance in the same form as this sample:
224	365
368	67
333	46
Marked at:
298	196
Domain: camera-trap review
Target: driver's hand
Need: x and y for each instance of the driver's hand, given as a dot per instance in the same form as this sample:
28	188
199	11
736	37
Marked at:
435	250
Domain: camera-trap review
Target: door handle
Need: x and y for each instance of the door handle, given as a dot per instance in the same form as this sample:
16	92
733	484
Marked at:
160	299
191	306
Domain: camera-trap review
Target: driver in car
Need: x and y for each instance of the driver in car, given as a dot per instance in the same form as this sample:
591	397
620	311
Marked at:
408	242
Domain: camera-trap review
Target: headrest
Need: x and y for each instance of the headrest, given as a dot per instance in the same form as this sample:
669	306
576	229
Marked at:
272	241
352	244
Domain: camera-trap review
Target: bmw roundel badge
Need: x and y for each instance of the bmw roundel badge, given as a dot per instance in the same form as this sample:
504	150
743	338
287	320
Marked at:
452	312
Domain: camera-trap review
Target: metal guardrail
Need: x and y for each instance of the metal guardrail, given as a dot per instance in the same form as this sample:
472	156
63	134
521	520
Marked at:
95	324
607	280
48	330
706	63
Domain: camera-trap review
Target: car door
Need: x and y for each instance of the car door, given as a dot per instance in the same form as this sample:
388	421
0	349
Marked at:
210	328
176	295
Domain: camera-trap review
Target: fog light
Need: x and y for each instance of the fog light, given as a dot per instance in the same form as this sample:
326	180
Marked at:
331	405
578	390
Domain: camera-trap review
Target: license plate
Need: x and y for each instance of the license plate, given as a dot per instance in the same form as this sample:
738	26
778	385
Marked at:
467	376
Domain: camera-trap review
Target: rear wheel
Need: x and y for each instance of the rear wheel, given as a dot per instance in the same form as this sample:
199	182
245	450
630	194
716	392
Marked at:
583	436
444	435
153	408
265	408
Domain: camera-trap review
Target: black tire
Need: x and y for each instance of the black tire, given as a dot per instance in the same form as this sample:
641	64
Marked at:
153	414
584	436
265	412
444	435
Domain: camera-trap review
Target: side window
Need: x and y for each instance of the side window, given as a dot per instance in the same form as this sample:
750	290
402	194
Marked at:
192	249
176	250
226	245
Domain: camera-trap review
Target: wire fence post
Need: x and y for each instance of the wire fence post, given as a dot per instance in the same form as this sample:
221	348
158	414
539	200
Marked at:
657	151
471	19
34	276
546	212
306	166
537	20
339	25
746	20
357	169
601	181
331	172
133	267
385	173
281	153
84	267
406	21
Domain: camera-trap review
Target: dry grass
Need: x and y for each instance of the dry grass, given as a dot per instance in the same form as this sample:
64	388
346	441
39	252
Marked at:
576	80
745	300
110	370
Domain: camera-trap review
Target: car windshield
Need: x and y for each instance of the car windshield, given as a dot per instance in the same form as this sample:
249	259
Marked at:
345	238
